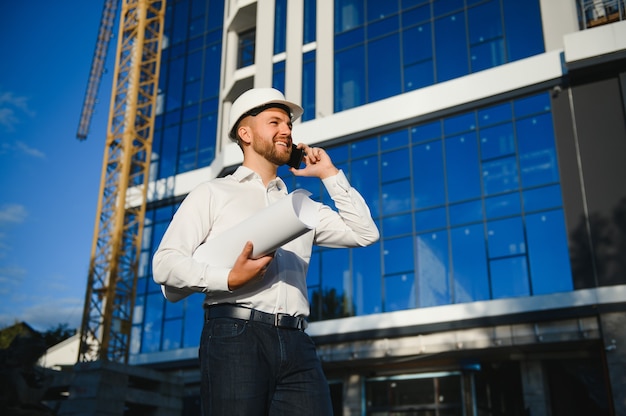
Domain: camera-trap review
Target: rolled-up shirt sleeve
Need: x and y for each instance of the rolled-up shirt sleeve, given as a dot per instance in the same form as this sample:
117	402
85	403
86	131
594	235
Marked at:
352	224
173	263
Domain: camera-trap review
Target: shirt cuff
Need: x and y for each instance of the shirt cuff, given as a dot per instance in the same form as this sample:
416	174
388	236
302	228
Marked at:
217	279
337	184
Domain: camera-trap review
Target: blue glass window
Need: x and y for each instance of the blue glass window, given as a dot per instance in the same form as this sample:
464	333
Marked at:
469	263
151	339
395	198
548	257
500	175
398	255
180	23
394	140
509	277
194	321
430	219
172	334
485	36
522	22
395	165
280	26
349	78
495	114
497	141
503	205
310	20
308	86
433	268
506	237
462	168
417	55
542	198
426	132
442	7
487	55
399	292
451	47
188	137
428	173
211	83
246	48
381	9
169	152
278	76
366	147
538	162
466	212
397	225
335	268
381	82
175	80
348	14
367	282
364	174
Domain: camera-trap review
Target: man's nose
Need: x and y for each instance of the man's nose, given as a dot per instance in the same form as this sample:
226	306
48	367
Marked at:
285	129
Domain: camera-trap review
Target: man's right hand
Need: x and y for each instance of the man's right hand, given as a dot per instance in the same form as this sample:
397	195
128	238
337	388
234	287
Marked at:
246	268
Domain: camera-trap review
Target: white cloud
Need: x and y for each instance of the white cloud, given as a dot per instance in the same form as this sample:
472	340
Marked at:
4	247
12	213
30	151
10	276
21	147
12	108
66	311
8	119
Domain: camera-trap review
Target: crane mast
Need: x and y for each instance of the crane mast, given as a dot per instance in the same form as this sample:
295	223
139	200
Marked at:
110	295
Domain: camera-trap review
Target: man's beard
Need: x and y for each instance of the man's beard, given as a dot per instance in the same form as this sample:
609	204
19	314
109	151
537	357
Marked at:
270	152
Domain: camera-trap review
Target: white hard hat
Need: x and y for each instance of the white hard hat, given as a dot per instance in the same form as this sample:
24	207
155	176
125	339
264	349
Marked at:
253	101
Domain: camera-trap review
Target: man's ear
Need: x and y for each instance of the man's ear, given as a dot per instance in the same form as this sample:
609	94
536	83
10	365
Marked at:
244	135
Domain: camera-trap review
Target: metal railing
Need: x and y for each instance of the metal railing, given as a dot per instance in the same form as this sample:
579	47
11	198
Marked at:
600	12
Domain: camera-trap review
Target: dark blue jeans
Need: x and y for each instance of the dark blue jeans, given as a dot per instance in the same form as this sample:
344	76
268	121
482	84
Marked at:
252	368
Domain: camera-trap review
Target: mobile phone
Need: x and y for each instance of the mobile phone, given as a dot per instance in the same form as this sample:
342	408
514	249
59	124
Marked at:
296	157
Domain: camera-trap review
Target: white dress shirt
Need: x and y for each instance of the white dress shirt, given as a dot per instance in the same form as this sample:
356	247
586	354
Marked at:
216	206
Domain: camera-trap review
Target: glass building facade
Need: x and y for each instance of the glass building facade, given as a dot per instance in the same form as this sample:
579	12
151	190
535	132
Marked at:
468	205
383	49
186	122
473	200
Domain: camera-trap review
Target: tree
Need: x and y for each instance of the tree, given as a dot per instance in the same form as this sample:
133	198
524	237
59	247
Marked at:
57	334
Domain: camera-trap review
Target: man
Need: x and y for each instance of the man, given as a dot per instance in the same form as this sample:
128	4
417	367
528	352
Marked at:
255	357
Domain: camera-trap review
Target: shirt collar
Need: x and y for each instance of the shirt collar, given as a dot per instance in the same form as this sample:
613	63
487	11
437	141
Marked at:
244	173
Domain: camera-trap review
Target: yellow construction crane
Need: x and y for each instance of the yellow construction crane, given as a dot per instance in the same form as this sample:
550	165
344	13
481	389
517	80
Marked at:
97	67
110	295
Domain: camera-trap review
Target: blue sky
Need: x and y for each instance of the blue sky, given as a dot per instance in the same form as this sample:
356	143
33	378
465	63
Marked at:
49	180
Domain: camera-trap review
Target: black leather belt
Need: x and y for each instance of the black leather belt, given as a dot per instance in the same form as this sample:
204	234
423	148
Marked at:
280	320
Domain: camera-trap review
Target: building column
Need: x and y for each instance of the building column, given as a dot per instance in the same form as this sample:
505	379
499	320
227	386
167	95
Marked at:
352	396
614	337
536	395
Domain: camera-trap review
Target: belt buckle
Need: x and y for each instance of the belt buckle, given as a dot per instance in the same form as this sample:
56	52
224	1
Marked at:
276	319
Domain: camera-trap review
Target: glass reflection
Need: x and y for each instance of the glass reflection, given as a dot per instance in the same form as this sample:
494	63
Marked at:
399	292
509	277
469	264
432	269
